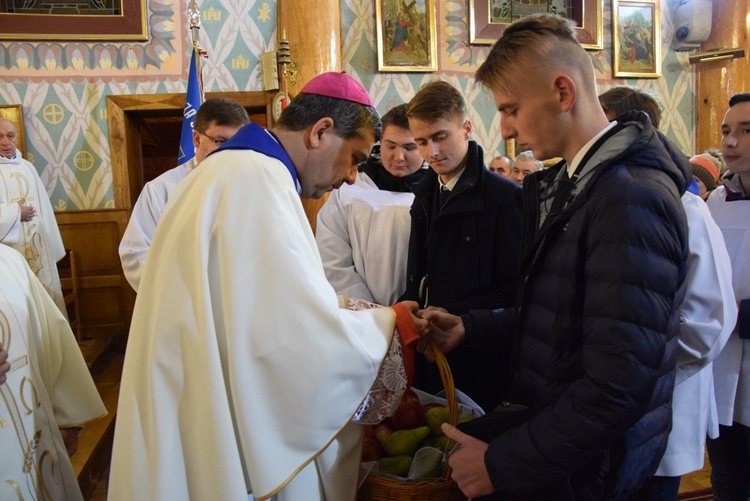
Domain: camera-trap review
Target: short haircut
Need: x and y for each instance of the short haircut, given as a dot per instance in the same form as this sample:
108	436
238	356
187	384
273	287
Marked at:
506	157
527	155
437	100
350	119
742	97
620	100
220	111
396	116
539	42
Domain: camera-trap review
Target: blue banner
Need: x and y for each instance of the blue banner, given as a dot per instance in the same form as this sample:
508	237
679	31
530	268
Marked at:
192	103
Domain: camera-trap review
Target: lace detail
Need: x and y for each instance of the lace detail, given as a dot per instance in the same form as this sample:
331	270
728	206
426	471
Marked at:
388	389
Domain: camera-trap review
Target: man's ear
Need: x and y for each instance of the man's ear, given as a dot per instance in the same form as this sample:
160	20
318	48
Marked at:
196	138
566	92
318	130
467	128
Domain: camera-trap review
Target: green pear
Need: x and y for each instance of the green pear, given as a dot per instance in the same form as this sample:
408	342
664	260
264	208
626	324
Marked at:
435	417
403	442
397	465
439	442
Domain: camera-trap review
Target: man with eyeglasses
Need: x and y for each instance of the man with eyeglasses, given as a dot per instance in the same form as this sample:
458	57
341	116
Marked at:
216	121
27	220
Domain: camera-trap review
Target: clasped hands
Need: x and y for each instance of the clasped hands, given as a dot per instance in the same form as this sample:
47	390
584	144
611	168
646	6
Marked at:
436	327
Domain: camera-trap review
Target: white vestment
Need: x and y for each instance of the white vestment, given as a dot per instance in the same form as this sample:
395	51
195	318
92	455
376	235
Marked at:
363	238
241	372
732	368
37	240
708	314
145	216
48	387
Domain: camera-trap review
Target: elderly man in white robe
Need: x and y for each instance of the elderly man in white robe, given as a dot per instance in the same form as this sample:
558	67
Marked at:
217	120
27	221
242	372
47	391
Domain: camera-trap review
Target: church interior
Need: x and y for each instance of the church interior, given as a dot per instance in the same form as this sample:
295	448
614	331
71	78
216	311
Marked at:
99	108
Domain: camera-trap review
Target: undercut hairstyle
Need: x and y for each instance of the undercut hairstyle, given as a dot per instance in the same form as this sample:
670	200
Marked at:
437	100
396	116
742	97
527	155
537	42
620	100
350	119
220	111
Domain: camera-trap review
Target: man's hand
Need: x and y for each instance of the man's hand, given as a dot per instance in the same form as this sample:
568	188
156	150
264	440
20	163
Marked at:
4	364
445	330
467	463
70	438
28	212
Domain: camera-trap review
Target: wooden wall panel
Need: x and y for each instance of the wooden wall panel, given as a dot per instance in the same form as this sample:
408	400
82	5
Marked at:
106	299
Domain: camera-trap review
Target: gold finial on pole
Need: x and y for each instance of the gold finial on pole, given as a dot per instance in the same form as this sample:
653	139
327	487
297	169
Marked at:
289	67
194	20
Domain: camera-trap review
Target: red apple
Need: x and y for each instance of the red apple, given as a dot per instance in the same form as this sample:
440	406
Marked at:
408	415
371	449
410	396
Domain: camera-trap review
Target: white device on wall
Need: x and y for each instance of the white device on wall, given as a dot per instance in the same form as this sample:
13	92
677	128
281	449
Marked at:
692	24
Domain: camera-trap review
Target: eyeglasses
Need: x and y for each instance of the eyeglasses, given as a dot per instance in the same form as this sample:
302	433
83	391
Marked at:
217	142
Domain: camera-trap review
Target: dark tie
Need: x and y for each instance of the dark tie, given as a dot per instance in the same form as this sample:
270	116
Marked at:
444	194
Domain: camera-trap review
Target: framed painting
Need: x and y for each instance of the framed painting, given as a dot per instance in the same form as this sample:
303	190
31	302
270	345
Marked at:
14	113
512	150
406	36
636	39
73	20
488	18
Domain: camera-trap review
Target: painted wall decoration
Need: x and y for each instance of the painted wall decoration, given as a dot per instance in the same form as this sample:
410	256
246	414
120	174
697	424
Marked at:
62	85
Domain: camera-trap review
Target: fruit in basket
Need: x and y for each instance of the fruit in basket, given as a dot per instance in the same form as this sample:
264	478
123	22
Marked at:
439	442
431	405
371	449
397	465
408	415
401	442
435	417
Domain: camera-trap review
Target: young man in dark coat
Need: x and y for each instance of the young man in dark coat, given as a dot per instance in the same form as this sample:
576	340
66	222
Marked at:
465	242
605	243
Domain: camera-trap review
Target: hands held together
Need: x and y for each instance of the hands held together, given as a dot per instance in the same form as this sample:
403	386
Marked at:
446	331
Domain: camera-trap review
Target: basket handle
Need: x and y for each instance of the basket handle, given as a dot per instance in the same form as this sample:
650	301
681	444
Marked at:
446	376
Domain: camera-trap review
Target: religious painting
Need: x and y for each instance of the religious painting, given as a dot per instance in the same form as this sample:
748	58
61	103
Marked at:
488	18
636	39
14	113
73	20
406	36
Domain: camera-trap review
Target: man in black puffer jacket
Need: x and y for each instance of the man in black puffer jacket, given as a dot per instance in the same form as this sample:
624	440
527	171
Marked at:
605	242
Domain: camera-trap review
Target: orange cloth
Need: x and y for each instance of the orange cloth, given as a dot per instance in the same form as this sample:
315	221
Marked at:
407	331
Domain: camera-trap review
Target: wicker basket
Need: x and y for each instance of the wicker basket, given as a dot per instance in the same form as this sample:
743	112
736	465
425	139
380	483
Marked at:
376	488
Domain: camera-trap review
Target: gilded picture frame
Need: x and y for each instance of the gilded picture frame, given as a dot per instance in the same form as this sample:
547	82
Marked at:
488	19
130	24
14	113
406	35
636	39
512	150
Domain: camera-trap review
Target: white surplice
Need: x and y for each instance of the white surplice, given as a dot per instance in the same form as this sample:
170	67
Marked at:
37	240
708	314
145	216
48	387
241	372
363	238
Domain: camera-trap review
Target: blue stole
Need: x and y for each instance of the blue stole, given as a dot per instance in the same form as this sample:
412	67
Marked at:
254	137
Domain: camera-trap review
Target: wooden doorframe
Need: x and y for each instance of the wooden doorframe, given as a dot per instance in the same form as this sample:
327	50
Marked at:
123	112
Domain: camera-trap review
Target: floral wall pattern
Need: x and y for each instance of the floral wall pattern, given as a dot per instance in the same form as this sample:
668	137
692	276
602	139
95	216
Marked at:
63	85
